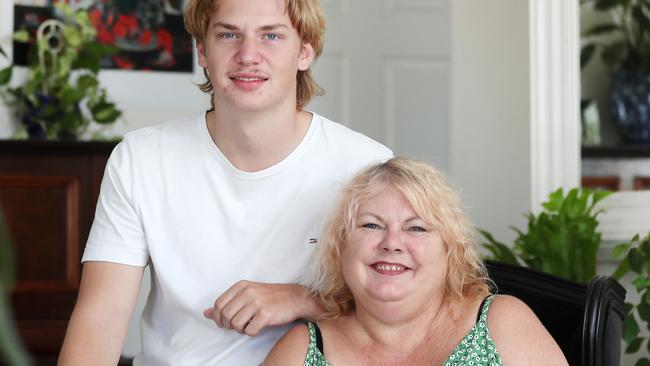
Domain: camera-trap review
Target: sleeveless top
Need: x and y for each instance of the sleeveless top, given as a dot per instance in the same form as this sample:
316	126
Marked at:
476	348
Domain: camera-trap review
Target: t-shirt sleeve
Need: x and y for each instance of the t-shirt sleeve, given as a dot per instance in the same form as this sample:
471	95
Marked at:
116	234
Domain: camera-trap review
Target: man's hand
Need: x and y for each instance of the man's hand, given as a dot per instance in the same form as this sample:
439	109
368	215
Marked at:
248	307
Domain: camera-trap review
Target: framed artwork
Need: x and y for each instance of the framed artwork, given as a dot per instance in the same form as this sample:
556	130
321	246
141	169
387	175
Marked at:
642	183
148	34
610	183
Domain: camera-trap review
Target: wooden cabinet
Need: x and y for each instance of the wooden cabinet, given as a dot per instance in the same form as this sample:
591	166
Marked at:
48	192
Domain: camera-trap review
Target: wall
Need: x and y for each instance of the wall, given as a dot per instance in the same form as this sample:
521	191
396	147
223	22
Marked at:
490	108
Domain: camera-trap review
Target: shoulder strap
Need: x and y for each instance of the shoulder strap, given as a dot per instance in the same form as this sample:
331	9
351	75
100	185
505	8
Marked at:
315	331
480	308
319	340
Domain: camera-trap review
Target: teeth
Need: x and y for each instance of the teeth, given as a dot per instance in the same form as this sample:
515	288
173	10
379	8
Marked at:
390	267
249	79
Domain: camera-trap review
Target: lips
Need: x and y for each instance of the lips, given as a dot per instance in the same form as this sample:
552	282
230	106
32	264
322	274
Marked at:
248	80
387	268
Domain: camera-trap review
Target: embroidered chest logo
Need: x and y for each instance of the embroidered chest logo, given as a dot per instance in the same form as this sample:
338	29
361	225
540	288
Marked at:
313	241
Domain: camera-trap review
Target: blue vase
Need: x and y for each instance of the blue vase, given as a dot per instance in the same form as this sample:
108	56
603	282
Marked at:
630	105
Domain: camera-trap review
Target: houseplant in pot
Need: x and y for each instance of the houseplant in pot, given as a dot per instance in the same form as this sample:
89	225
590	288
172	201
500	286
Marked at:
61	96
562	240
623	44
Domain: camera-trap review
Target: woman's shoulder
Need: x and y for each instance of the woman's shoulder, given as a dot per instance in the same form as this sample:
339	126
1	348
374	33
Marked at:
519	335
291	349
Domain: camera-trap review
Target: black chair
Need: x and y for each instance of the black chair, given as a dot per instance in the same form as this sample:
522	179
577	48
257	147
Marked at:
585	320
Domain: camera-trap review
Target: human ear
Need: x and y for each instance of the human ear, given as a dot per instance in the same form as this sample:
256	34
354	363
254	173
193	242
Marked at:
200	52
306	57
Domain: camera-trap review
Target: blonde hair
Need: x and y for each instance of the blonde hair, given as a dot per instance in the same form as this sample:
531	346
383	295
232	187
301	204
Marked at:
306	16
433	199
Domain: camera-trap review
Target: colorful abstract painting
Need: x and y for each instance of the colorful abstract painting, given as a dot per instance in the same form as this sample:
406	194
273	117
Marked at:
148	34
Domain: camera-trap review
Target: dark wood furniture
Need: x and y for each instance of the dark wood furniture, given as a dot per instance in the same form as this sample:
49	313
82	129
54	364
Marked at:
641	183
48	192
610	182
616	151
584	319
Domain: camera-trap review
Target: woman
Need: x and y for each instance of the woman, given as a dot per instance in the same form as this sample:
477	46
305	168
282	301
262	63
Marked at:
402	284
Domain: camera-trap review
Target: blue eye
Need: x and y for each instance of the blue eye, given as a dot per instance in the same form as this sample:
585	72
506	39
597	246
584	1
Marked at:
417	229
371	226
228	35
271	36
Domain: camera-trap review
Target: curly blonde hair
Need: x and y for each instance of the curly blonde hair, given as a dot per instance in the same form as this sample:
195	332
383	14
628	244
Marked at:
433	199
306	16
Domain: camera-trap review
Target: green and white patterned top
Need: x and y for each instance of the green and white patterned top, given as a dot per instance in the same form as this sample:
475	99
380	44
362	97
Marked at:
476	348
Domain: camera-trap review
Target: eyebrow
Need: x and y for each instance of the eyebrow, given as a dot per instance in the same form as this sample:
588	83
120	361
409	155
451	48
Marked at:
264	28
381	219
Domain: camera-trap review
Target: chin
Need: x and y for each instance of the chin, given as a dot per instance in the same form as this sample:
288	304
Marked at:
390	294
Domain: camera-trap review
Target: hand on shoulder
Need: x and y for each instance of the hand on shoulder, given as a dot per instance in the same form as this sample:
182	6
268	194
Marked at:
291	349
520	337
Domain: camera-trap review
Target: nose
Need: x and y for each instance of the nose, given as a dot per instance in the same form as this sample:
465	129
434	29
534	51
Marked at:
248	52
393	241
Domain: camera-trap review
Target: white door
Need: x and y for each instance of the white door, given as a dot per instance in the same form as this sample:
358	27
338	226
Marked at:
385	69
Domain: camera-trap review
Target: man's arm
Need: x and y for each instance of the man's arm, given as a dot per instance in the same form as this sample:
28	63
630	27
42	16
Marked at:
248	307
101	316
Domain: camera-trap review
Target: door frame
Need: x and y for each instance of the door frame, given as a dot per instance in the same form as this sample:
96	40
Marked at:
554	97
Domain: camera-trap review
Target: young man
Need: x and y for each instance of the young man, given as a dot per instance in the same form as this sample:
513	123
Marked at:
225	207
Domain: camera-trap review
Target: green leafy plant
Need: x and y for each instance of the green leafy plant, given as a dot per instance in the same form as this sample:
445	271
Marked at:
624	41
11	346
562	240
635	258
61	95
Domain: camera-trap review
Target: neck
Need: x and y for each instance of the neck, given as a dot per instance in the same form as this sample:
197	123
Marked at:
391	327
256	140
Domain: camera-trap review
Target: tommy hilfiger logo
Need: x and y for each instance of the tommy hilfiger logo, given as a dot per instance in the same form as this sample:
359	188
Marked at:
313	240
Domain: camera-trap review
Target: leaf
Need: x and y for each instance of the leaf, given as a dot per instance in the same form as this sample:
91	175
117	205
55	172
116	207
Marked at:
601	29
586	54
634	345
607	4
105	113
5	75
622	269
643	361
21	36
640	17
600	195
555	200
72	36
640	283
644	311
614	54
636	260
630	329
620	250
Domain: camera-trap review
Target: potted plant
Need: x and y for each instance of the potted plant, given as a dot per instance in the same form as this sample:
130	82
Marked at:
635	259
562	240
623	43
61	95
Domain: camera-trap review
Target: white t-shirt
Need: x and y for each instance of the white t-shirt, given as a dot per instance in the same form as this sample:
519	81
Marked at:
170	199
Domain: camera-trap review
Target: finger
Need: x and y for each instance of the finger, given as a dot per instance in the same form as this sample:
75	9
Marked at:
257	323
209	313
224	300
242	319
236	305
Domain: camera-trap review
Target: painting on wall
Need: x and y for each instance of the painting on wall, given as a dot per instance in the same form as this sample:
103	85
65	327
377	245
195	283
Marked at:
148	34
